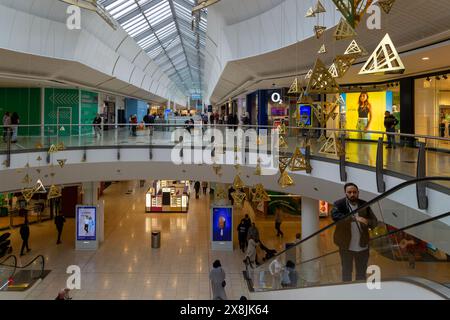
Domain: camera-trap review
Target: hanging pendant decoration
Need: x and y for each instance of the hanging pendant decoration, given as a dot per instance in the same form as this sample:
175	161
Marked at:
322	49
61	162
299	162
309	74
283	163
321	80
282	130
258	168
27	194
353	10
319	30
260	194
386	5
38	145
220	194
282	143
319	8
238	197
332	146
26	179
384	60
238	183
52	149
294	89
344	30
285	180
54	192
333	71
310	13
60	146
343	63
39	187
355	49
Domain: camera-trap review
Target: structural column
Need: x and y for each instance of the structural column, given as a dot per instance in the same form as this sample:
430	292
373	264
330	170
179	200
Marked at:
90	198
310	271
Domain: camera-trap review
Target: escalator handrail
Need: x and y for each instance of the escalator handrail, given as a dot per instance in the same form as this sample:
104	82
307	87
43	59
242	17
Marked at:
14	266
367	204
28	264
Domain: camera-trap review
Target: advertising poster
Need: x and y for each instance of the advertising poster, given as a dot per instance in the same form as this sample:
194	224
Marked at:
222	223
365	112
86	223
305	114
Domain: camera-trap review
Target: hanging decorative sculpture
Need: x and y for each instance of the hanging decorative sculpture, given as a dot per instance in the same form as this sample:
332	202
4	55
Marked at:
54	192
355	49
319	30
384	60
321	80
282	130
238	197
319	8
220	194
258	167
353	10
26	179
282	143
332	146
27	194
283	163
344	30
386	5
285	180
343	63
60	146
299	162
294	89
309	74
310	13
322	49
38	145
333	71
61	162
39	187
260	194
238	183
52	149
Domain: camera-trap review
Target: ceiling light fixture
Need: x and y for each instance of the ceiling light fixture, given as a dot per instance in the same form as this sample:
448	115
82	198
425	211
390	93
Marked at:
426	58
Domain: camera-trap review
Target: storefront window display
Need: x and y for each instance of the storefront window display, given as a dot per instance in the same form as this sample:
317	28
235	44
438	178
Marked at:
432	109
167	196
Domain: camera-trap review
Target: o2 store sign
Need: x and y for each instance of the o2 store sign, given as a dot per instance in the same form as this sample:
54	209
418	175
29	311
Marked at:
276	97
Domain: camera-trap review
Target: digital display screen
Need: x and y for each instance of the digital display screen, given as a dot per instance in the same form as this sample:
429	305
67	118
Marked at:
222	224
305	115
86	223
278	111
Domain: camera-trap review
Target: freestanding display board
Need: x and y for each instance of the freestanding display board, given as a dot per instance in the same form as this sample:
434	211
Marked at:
86	228
222	228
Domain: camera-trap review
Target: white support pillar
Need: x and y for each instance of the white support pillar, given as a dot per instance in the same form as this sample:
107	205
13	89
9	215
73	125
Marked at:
310	271
90	197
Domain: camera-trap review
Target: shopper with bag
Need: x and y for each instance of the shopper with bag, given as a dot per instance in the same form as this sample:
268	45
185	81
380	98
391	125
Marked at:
218	283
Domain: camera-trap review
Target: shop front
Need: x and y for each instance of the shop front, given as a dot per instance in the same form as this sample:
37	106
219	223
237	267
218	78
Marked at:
167	196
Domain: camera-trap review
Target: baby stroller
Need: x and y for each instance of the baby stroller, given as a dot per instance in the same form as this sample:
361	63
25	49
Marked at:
5	244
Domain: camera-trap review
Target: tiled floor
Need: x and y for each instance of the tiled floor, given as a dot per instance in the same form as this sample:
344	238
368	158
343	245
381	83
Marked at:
126	267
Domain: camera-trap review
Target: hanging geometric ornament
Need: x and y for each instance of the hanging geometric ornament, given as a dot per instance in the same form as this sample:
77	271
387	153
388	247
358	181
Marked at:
384	60
52	149
39	187
39	158
294	89
344	30
386	5
282	143
282	129
322	138
27	194
319	8
260	194
299	162
61	162
285	180
283	163
332	146
321	80
353	10
52	174
237	183
62	128
259	141
304	98
356	49
237	166
322	49
238	197
343	63
310	13
38	145
258	168
319	30
309	74
340	101
26	179
220	194
38	170
27	165
217	169
333	71
54	192
60	146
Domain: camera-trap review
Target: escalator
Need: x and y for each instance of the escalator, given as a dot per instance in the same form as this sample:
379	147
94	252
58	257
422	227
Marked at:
405	244
21	278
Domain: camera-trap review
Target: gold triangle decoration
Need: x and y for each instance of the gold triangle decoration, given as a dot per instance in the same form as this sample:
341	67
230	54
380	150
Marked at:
220	194
343	63
26	179
38	170
340	101
384	60
282	143
282	129
260	194
61	162
238	183
309	74
237	166
344	30
39	187
321	80
319	8
353	10
304	98
299	162
259	141
356	49
28	194
39	158
238	197
310	13
285	180
322	138
386	5
27	165
294	89
217	169
322	49
319	30
258	167
54	192
283	163
60	146
62	128
38	145
333	71
332	146
52	149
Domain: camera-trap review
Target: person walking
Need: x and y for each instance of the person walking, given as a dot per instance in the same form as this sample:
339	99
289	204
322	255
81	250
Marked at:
25	235
352	232
6	126
389	123
253	232
248	224
242	235
197	189
275	269
205	187
59	222
290	276
97	125
218	283
15	121
250	255
278	220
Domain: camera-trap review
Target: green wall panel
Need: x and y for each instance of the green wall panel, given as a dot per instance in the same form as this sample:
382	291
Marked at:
26	102
61	107
89	109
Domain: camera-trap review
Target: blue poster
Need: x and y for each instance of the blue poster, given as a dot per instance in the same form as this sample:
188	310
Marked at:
222	224
305	114
86	223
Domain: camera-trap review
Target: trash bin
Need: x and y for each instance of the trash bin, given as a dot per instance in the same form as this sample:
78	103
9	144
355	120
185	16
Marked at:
156	239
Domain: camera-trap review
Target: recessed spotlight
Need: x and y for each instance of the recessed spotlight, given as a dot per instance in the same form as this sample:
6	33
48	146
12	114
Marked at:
426	58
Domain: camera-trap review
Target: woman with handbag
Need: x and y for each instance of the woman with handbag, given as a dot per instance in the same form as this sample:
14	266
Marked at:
217	278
